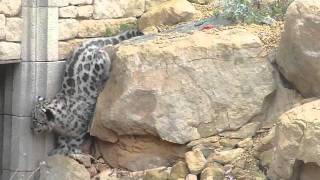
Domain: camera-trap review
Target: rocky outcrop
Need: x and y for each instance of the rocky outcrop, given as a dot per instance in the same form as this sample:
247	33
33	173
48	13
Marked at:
299	47
296	135
181	87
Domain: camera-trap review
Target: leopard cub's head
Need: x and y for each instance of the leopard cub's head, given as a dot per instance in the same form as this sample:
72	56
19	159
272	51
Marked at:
42	117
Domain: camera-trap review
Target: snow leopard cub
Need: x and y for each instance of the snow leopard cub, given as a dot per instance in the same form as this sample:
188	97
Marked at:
69	113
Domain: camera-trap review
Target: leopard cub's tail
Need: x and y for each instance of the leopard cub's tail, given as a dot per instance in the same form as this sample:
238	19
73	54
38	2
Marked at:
123	36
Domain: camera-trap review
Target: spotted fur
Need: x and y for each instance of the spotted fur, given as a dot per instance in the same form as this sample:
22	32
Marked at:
69	113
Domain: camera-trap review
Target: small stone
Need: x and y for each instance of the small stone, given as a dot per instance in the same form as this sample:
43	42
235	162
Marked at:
85	11
68	12
156	174
92	171
212	139
179	170
226	156
227	142
212	173
195	161
83	159
191	177
266	158
101	166
246	143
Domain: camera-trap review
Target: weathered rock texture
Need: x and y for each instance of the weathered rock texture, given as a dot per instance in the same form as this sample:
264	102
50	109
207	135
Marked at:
140	153
167	13
182	87
296	136
299	55
63	168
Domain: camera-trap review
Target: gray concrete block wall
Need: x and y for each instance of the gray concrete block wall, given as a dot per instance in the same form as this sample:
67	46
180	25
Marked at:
39	73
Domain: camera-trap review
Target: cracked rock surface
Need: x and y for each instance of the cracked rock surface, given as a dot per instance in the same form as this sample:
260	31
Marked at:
184	86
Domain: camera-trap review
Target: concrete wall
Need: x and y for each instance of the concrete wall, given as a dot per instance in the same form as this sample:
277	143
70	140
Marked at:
38	73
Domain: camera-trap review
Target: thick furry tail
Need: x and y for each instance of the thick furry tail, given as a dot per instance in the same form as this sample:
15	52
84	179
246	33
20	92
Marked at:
123	36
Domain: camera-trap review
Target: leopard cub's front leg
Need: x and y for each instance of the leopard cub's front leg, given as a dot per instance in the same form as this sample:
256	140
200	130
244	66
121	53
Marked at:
62	146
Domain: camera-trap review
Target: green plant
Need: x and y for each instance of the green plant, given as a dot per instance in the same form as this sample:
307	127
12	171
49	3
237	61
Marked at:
250	11
109	32
125	27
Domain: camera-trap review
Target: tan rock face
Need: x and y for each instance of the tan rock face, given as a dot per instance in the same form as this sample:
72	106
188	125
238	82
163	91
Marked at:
183	87
108	9
299	48
195	161
168	13
10	7
10	50
68	29
296	138
13	29
140	153
63	168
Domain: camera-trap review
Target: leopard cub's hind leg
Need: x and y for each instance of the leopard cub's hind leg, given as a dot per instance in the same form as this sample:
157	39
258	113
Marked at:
75	143
62	146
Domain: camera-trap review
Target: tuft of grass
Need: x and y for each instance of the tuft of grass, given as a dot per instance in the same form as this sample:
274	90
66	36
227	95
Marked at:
125	27
109	32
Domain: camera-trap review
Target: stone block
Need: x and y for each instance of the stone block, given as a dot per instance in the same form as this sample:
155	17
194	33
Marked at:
68	28
2	26
10	7
10	51
68	12
85	11
13	29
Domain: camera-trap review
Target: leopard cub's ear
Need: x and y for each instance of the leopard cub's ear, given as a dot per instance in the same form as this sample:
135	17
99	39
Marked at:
40	98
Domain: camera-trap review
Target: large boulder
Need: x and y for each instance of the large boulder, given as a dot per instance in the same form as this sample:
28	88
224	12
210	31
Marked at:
296	139
182	87
299	57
